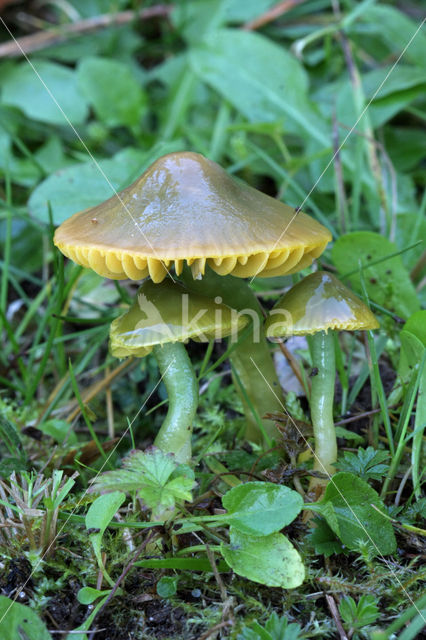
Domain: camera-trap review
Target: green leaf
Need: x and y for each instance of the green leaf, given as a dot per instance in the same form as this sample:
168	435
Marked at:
324	540
91	8
416	325
237	11
10	436
411	354
98	517
167	586
279	628
341	432
360	614
261	79
9	465
388	282
59	430
276	628
38	96
50	156
19	621
87	595
403	84
194	19
406	147
352	501
412	350
112	90
156	476
261	508
397	29
85	185
366	464
181	564
271	560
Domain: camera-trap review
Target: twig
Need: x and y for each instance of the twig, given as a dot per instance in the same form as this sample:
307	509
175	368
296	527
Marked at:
211	558
336	617
402	485
56	35
293	364
418	267
421	285
272	14
365	414
217	627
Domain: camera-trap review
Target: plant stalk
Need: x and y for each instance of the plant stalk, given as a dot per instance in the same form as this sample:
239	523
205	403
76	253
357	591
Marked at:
262	390
182	388
321	405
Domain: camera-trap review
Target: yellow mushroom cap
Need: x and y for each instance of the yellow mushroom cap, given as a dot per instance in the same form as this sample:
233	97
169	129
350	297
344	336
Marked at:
185	207
168	312
319	302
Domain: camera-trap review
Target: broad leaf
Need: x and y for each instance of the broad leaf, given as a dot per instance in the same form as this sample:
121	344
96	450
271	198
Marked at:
88	595
113	91
353	504
416	325
98	517
400	87
50	95
413	344
167	586
237	11
261	79
261	508
19	621
397	29
388	282
271	560
324	540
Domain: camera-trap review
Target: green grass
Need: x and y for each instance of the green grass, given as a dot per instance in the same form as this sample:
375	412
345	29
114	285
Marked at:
196	80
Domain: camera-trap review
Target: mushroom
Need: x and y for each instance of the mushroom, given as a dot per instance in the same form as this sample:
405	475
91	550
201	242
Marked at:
163	317
186	211
320	304
186	208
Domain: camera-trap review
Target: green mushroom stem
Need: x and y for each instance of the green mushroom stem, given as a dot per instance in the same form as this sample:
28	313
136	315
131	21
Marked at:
321	404
180	381
318	306
251	359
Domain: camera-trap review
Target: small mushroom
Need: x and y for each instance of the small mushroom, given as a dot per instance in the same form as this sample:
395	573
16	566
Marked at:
320	304
162	317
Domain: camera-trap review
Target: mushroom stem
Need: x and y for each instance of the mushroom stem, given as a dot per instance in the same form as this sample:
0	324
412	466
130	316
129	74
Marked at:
251	359
182	388
321	404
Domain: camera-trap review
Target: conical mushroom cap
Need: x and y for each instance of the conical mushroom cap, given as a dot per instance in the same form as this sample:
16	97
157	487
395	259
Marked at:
187	208
319	302
168	312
